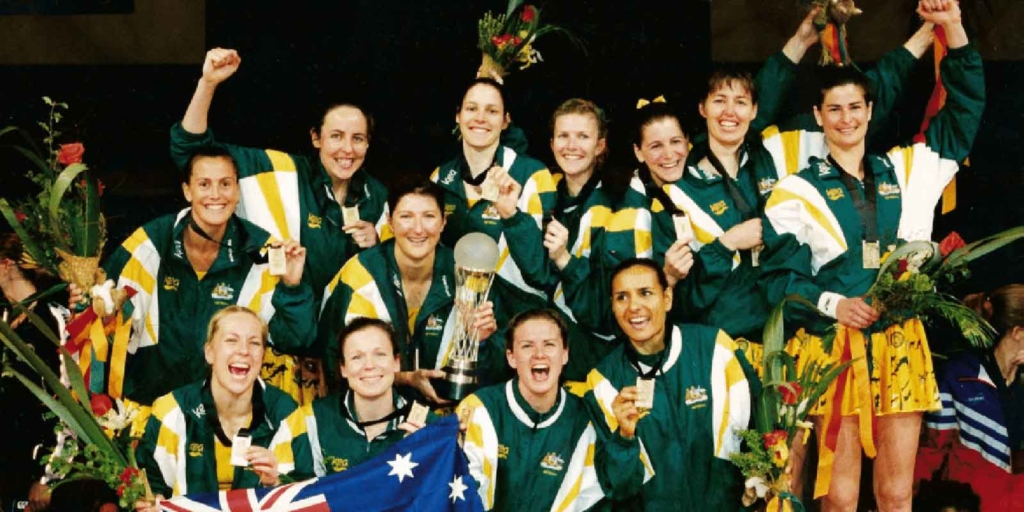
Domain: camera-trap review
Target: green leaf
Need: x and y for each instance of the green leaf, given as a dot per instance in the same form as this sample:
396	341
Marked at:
91	240
512	6
28	243
63	412
986	245
60	187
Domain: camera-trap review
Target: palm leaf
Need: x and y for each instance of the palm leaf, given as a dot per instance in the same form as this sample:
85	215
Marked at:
512	6
27	242
60	187
75	376
61	410
979	248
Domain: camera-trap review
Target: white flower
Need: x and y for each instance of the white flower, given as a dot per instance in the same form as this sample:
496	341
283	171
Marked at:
118	417
758	484
801	407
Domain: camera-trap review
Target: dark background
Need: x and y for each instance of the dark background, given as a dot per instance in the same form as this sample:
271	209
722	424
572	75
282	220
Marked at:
409	61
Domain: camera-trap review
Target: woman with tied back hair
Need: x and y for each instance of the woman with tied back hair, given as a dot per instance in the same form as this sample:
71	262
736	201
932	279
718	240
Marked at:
325	201
26	430
978	435
492	189
187	446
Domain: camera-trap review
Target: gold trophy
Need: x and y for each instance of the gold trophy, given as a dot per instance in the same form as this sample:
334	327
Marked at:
476	256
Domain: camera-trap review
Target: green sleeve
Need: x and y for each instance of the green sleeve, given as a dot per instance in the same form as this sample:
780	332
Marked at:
303	454
526	247
725	486
144	456
786	270
712	266
184	144
888	77
293	326
772	82
619	467
330	323
951	132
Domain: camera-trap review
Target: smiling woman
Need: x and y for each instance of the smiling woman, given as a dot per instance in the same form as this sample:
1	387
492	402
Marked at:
205	419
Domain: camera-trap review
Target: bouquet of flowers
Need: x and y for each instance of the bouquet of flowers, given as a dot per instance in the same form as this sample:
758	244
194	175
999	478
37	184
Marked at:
910	278
508	38
780	412
831	24
95	440
61	227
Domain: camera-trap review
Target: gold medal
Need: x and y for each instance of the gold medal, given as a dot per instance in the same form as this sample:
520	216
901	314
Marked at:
755	256
872	254
645	395
418	414
684	231
349	215
277	261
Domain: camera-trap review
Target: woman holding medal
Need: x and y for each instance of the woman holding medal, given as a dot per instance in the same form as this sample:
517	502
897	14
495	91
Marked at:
408	281
186	267
542	425
213	434
826	229
325	201
342	430
490	188
679	389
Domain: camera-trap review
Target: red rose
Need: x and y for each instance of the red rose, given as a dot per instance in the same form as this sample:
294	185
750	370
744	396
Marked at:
790	393
71	153
901	267
100	404
120	491
128	474
529	13
517	41
20	217
99	188
951	243
773	438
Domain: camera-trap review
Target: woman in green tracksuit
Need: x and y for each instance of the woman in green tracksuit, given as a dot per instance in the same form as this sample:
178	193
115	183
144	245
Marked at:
699	400
327	202
530	444
825	230
186	267
731	171
338	432
188	440
410	282
490	188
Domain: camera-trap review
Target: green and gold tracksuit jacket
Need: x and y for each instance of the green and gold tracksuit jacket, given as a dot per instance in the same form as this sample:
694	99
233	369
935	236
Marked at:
290	196
701	399
722	282
173	307
324	437
812	232
525	460
178	450
512	293
370	285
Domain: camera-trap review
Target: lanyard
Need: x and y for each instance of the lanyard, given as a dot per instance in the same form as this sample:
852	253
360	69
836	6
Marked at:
864	202
656	192
634	361
746	211
397	413
467	175
214	421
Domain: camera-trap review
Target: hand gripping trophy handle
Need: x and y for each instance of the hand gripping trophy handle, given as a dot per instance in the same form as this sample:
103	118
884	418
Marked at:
476	256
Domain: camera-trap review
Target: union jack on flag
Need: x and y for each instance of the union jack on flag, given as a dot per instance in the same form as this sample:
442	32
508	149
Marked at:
425	471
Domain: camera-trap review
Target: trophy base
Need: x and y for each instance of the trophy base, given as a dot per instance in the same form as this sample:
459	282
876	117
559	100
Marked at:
459	380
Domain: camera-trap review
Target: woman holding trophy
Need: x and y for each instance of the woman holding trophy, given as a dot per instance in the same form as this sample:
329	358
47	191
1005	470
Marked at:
410	281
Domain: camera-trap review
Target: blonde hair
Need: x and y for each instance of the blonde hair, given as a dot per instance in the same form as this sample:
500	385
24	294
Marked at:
214	326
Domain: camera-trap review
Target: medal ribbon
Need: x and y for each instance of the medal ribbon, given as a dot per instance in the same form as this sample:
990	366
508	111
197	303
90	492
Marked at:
656	192
864	202
397	413
258	411
746	211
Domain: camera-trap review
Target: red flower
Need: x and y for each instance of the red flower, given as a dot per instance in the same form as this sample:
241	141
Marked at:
529	13
791	393
99	188
128	474
517	41
501	40
120	491
71	153
100	404
951	243
20	217
901	267
773	438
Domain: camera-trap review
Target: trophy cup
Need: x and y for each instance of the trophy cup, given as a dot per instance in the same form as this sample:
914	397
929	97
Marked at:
476	256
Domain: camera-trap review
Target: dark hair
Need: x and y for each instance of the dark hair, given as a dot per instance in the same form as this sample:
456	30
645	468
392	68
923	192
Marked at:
584	107
652	113
1003	308
489	82
12	249
361	324
938	495
322	118
536	314
642	262
208	152
418	186
726	76
830	77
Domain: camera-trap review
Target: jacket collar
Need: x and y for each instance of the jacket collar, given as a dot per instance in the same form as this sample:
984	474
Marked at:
525	414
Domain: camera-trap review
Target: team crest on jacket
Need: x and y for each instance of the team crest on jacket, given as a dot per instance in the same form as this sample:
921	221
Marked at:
171	284
491	212
449	177
888	190
824	168
696	395
719	207
195	449
835	194
223	292
765	185
434	323
314	222
552	462
502	451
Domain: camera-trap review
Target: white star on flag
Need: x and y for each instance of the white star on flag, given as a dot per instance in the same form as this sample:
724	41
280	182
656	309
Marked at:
457	489
402	466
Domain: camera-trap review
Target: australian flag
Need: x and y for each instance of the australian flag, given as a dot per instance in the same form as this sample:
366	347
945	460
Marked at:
425	471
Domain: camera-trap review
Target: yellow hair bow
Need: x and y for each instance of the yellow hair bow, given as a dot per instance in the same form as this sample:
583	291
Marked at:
641	103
